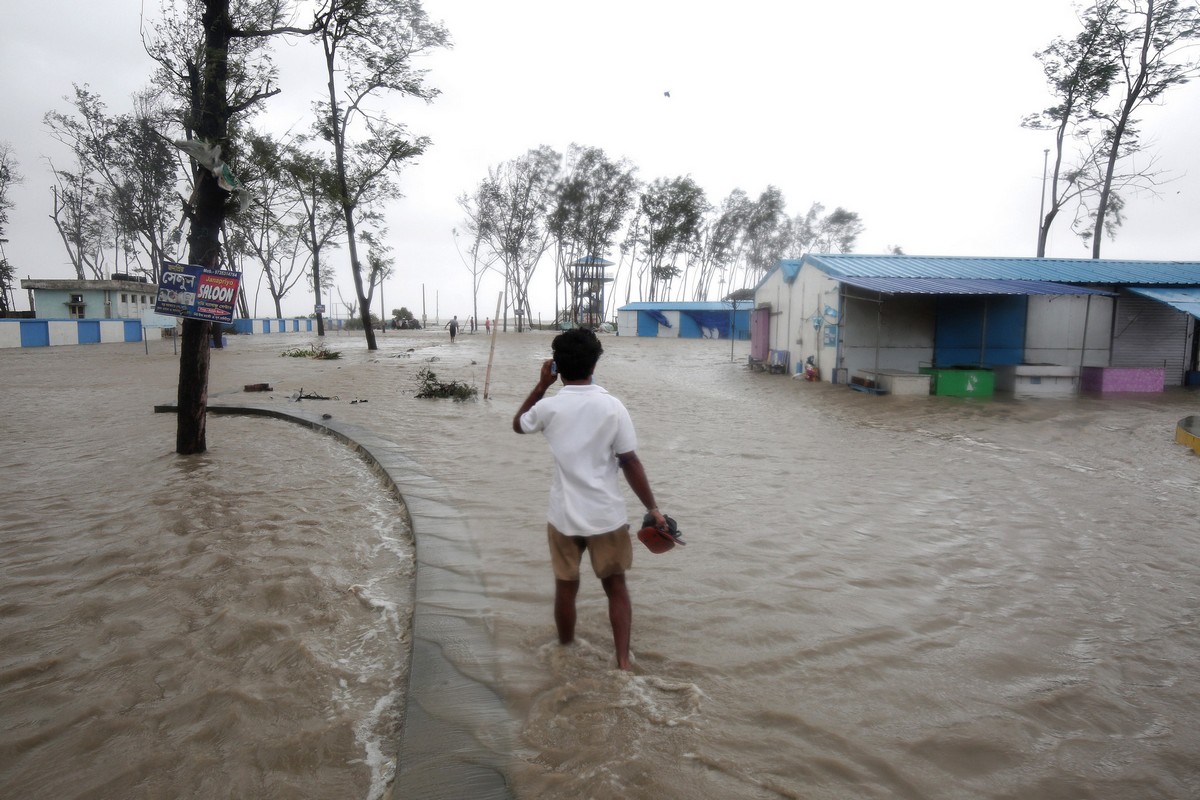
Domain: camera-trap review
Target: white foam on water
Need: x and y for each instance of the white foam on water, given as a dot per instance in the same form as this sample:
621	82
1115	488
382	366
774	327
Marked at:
377	654
376	746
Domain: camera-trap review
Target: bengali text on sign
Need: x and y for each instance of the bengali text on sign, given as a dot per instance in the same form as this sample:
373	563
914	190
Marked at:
185	290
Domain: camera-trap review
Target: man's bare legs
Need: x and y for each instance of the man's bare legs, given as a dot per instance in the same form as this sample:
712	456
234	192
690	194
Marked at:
564	609
620	614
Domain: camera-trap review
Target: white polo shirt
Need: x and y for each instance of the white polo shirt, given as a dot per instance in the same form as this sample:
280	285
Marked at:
586	427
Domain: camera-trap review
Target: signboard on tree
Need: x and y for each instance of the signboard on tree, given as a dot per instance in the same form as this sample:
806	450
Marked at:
185	290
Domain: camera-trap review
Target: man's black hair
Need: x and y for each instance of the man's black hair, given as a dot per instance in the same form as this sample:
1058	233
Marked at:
576	352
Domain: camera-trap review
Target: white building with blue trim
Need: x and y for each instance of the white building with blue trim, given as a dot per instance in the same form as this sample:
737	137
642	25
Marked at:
72	311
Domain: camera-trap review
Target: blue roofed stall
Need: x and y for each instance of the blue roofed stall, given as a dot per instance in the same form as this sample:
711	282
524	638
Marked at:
1026	325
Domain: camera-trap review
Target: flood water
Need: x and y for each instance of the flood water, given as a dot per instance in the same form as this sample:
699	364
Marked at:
881	597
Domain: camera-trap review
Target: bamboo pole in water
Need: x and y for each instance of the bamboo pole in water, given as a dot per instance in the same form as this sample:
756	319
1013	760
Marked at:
487	377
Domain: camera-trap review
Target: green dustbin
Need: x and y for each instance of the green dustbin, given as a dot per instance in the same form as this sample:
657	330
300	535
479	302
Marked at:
960	381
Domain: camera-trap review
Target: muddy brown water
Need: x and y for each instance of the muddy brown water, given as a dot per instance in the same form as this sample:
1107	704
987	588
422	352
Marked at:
880	598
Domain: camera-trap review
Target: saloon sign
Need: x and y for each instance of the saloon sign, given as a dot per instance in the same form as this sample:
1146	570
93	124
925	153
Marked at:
189	291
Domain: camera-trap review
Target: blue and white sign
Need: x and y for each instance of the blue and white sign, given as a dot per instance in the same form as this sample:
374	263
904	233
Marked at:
185	290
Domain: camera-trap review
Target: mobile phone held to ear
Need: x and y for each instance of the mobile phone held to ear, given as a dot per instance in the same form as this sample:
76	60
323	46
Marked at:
553	367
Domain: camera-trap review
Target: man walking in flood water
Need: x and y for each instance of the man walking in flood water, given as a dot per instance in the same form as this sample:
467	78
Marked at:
591	436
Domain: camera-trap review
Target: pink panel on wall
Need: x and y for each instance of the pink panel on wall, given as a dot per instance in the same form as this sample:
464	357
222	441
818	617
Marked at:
1122	379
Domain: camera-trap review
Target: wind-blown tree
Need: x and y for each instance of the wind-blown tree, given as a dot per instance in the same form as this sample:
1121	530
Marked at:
380	265
512	204
213	63
370	48
269	231
144	176
319	217
720	241
7	277
478	216
592	201
350	306
475	260
1154	49
671	212
125	180
81	210
79	215
818	232
1079	74
1128	55
766	235
10	176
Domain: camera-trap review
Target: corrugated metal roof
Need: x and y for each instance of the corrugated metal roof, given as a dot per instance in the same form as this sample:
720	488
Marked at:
712	305
966	286
1064	270
1186	300
791	268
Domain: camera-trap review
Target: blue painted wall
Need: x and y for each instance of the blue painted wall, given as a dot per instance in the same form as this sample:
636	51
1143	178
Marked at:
35	333
960	330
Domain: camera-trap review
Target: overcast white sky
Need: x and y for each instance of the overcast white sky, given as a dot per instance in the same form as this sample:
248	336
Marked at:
905	113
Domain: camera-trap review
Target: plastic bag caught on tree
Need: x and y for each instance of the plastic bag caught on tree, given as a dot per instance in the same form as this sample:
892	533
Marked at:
208	156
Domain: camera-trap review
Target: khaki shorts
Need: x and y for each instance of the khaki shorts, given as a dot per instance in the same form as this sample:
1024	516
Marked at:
611	553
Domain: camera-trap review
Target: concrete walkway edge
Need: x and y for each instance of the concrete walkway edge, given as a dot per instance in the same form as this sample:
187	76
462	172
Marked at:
441	752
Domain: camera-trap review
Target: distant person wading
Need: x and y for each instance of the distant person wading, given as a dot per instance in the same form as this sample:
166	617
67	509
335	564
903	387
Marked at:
452	325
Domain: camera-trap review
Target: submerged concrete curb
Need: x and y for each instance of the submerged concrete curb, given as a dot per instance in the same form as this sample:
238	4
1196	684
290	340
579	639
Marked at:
440	753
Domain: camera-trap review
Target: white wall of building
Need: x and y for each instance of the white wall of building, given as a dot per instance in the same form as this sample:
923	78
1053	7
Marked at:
673	331
627	323
112	331
63	332
897	334
10	333
1054	330
799	321
775	295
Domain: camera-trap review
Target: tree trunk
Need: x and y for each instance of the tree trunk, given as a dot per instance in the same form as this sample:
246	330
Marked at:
356	271
1106	187
1048	217
316	262
317	293
208	216
192	399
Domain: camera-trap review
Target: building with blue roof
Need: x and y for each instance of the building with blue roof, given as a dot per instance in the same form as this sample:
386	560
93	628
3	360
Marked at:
867	315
